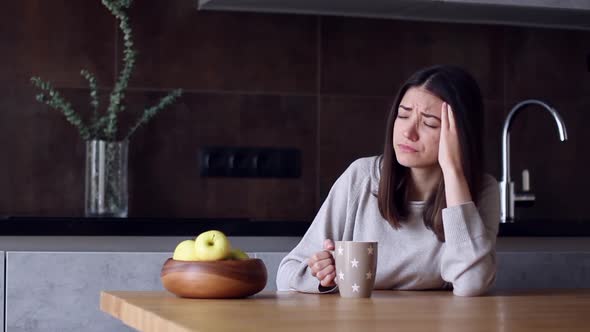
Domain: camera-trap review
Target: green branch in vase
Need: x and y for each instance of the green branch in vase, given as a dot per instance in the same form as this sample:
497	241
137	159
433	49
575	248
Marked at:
104	125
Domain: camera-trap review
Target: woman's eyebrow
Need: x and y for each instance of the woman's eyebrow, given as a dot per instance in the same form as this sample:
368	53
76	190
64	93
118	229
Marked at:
426	115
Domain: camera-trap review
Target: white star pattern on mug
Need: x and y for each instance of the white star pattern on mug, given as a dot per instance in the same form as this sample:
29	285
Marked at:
354	269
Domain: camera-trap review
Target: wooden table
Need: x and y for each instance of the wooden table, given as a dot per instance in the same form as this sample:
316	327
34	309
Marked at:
547	310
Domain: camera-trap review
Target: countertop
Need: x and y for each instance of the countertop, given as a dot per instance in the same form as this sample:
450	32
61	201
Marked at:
71	226
543	310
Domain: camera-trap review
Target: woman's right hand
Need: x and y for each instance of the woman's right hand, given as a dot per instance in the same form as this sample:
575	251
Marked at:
322	265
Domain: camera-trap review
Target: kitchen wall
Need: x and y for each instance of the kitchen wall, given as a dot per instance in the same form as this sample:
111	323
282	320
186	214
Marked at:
319	84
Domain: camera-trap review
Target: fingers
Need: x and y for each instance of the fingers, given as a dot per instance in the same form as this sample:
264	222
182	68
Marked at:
329	280
320	256
322	265
325	272
320	261
444	116
328	244
451	116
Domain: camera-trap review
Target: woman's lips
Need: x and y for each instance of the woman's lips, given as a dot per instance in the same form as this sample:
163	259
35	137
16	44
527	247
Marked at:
405	148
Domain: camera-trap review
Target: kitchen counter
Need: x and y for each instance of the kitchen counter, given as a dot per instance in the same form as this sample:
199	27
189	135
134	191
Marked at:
547	310
55	226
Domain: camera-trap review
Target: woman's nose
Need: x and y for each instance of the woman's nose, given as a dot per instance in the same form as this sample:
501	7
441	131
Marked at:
411	131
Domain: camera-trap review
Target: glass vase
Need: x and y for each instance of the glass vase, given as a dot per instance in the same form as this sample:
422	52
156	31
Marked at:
106	179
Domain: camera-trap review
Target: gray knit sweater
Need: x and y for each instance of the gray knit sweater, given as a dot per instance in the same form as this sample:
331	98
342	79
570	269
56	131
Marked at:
410	258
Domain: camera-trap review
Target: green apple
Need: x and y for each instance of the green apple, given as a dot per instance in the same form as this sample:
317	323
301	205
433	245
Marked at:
212	246
238	254
185	251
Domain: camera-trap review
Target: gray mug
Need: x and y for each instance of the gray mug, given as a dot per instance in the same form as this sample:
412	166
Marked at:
356	266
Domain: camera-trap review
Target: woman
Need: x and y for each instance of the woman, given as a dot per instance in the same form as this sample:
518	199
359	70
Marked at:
425	199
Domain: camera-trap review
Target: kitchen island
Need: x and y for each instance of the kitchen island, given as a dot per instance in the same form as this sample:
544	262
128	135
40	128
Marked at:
143	226
540	310
50	261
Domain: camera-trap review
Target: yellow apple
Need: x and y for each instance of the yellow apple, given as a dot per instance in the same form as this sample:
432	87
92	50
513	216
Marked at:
212	246
238	254
185	251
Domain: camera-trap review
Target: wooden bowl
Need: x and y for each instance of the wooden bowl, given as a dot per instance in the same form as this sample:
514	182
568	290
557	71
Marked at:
214	279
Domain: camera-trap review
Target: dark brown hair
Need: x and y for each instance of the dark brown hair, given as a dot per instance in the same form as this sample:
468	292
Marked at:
459	89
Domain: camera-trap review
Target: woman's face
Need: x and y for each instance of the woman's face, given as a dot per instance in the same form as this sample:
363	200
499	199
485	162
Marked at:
416	129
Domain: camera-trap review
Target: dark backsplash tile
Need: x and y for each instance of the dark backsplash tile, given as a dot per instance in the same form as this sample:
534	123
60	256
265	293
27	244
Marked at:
495	113
165	166
203	50
543	63
350	128
374	56
361	56
43	167
55	40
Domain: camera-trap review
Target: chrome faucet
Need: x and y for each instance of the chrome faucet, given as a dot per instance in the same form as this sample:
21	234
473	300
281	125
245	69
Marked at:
507	195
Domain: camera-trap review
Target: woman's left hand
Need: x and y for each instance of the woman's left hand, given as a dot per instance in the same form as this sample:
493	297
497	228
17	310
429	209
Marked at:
449	158
449	150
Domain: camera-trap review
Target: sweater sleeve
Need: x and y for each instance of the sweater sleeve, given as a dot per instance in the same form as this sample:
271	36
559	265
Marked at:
469	257
329	223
